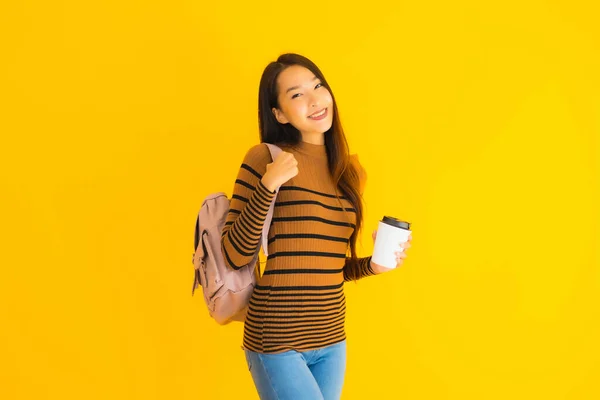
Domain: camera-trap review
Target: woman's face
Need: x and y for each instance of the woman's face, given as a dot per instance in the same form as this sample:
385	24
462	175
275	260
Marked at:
304	101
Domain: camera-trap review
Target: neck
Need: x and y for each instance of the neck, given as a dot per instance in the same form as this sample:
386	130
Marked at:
314	138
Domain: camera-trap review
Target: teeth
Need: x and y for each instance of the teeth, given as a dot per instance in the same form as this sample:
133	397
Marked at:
319	114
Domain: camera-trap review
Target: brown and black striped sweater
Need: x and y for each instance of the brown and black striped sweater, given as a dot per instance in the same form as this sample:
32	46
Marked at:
299	302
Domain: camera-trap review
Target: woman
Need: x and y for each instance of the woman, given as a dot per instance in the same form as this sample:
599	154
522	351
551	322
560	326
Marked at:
294	337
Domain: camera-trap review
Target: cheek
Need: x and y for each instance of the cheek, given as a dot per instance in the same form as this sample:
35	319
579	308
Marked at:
298	111
327	98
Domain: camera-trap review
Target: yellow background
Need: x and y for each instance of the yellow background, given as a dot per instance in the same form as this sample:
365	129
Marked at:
477	122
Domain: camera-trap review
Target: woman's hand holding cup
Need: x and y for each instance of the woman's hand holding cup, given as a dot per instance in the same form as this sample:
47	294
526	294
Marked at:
383	250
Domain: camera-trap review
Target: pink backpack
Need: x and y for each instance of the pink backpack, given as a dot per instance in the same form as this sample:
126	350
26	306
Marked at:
226	291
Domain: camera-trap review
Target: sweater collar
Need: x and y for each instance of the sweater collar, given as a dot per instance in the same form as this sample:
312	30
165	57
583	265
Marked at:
315	150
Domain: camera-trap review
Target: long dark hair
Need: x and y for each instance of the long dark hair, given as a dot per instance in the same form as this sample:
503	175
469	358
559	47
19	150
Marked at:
344	173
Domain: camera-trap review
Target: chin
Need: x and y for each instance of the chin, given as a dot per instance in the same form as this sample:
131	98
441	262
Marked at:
324	130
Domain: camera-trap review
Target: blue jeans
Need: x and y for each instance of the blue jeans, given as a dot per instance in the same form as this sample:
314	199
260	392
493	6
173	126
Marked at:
299	375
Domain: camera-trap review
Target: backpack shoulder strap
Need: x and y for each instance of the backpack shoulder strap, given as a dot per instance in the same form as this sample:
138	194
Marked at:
274	150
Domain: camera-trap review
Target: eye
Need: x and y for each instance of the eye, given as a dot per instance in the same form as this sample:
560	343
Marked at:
316	87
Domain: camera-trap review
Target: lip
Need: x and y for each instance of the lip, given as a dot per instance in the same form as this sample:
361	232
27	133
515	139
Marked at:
321	117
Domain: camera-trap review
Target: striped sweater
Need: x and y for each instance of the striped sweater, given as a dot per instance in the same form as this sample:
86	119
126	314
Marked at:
299	302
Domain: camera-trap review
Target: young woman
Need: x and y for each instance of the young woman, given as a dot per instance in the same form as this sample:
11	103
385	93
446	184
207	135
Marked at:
294	337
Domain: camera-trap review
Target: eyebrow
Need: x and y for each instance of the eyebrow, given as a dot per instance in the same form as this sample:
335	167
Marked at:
298	87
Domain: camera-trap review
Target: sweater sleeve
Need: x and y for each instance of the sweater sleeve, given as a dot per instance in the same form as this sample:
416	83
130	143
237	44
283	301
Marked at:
362	173
249	205
360	270
363	266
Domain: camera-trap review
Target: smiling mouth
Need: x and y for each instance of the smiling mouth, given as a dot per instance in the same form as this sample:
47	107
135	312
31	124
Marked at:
318	114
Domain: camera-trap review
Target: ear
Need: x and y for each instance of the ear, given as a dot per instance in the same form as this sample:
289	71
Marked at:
279	116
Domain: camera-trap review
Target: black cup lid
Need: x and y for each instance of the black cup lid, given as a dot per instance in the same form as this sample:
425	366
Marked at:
396	222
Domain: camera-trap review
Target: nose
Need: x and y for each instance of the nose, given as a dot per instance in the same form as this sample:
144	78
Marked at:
314	101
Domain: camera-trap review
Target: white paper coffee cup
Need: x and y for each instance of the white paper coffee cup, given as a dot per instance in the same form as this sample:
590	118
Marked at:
390	233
